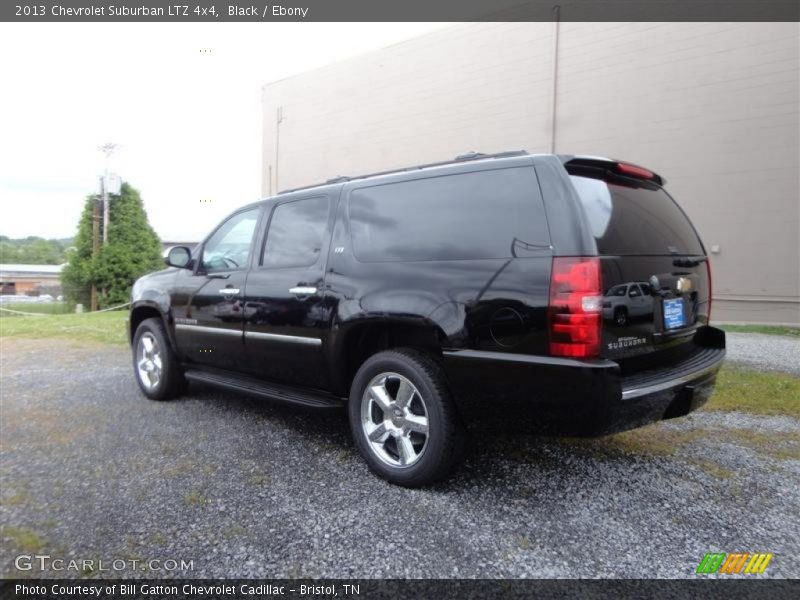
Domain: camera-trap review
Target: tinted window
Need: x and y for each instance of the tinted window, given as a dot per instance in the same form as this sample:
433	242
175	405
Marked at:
229	247
626	219
296	233
617	290
485	214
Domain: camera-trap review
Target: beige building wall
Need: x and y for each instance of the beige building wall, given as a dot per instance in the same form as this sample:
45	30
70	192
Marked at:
713	107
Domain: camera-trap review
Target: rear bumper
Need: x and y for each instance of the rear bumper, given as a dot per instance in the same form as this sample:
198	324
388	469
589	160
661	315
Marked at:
665	393
585	398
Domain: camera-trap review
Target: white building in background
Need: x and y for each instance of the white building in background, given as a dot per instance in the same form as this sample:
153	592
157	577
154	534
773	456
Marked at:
30	280
713	107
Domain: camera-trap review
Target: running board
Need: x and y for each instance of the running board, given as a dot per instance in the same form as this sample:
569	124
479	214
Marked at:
264	389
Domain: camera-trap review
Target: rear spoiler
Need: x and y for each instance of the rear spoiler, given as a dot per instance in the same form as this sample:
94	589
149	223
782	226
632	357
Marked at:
618	167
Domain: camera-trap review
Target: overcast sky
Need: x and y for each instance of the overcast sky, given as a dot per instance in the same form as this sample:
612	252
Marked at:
188	123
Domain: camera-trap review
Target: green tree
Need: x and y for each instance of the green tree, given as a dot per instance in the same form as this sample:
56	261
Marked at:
31	251
133	249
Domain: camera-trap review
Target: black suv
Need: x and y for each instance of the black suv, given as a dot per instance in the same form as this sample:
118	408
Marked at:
422	297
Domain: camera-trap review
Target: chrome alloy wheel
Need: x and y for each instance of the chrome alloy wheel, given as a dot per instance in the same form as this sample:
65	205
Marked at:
149	363
394	419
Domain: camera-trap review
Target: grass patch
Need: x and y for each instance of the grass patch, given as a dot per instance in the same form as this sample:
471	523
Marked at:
195	498
177	469
524	542
16	499
45	308
759	393
104	328
259	479
781	445
159	539
768	329
656	440
652	440
712	468
23	539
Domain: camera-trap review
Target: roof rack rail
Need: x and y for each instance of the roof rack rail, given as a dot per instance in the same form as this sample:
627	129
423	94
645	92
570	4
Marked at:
472	155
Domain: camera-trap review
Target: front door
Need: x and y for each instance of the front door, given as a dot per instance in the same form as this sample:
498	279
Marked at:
208	302
287	316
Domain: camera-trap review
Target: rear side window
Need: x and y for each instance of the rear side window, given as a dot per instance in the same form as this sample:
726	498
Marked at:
630	219
296	233
478	215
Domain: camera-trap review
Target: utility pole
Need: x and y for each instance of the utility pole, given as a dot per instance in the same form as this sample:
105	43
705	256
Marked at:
95	246
107	149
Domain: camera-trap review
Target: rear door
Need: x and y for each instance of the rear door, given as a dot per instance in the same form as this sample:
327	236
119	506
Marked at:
286	314
646	243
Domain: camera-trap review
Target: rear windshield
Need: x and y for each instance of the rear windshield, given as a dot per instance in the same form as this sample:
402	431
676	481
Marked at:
630	219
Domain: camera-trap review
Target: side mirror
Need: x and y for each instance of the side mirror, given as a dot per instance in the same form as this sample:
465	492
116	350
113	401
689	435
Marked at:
179	256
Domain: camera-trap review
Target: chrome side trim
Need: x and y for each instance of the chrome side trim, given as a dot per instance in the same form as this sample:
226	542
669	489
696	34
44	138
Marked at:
531	359
275	337
212	330
672	383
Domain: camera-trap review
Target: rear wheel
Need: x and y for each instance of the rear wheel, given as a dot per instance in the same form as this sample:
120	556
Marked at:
403	418
621	317
155	365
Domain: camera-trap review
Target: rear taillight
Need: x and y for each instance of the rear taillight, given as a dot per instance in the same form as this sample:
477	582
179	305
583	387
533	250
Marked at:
575	307
708	269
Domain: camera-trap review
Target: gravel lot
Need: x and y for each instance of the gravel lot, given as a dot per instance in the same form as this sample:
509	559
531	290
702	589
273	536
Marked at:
764	352
90	469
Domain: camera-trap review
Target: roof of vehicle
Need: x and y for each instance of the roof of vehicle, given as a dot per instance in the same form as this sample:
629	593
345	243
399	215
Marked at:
461	158
568	160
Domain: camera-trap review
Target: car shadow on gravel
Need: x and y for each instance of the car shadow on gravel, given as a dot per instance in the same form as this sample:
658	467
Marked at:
509	463
311	421
490	447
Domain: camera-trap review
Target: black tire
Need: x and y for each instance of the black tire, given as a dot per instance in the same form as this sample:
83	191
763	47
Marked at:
444	442
171	382
621	317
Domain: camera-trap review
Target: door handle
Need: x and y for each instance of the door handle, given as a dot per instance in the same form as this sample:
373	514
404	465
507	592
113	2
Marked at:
303	291
229	291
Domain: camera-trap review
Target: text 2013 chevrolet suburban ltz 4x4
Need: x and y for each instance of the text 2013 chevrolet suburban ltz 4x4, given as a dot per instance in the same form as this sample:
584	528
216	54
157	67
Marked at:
570	289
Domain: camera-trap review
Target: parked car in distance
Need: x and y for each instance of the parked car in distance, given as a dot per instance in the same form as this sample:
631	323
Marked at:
422	297
627	301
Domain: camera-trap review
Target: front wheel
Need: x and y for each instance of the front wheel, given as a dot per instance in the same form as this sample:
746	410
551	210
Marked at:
155	365
403	418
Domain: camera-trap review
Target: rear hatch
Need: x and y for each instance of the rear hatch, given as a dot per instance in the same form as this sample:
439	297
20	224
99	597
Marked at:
655	276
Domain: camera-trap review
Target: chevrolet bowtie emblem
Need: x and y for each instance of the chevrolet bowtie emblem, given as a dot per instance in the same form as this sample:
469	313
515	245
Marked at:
684	284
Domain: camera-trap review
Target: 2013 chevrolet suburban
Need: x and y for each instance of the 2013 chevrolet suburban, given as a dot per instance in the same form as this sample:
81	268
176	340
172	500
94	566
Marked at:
571	288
